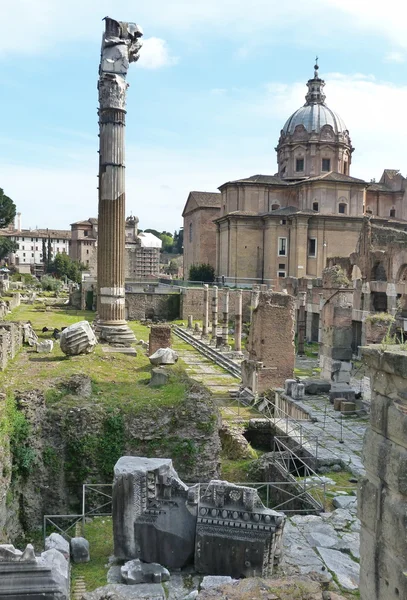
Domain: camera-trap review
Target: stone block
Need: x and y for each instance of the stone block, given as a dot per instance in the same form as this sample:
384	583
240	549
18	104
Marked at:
160	337
378	413
78	339
344	501
135	571
317	386
159	377
341	377
79	550
338	403
164	356
341	390
44	347
344	353
396	429
57	542
348	407
288	386
393	523
59	565
235	534
213	581
368	504
154	512
298	391
345	569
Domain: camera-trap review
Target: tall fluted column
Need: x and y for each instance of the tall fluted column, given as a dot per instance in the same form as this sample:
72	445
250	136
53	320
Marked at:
238	321
120	47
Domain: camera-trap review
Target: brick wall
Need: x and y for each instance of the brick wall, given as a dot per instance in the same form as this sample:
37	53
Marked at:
149	306
160	337
382	498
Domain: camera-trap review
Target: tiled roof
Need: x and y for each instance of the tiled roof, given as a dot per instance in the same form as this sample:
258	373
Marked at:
291	210
266	179
333	176
53	233
378	187
206	198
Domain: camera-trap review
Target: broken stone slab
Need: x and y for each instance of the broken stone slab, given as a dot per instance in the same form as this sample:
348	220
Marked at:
341	390
143	591
315	387
350	542
135	571
57	542
79	550
344	568
29	335
192	595
211	581
164	356
9	554
78	338
114	574
345	502
154	512
59	566
339	518
44	347
159	377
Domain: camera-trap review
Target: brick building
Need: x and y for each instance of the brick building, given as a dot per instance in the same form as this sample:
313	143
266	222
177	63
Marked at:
268	227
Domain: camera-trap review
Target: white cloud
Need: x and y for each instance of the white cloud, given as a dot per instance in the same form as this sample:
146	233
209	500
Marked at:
37	27
395	57
155	54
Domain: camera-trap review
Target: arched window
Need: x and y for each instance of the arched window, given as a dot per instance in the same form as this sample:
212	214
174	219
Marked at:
190	232
393	212
315	206
369	210
275	206
342	208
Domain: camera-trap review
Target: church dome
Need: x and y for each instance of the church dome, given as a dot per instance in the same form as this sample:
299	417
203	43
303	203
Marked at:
313	117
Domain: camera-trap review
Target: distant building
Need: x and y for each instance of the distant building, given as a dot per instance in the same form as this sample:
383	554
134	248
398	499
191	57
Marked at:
84	244
28	258
199	213
142	257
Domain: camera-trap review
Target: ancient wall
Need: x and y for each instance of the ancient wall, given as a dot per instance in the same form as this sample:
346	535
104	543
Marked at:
192	303
142	305
160	337
271	341
382	499
11	340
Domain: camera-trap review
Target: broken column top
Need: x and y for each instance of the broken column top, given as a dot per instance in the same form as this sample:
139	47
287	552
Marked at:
130	464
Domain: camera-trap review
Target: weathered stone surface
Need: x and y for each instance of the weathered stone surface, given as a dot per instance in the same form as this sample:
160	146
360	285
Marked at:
57	542
9	554
160	337
80	385
235	534
44	347
345	569
115	591
30	337
159	377
164	356
79	550
59	566
211	581
78	339
345	502
316	386
154	512
135	571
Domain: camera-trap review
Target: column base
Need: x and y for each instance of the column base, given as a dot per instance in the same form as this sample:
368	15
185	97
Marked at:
118	334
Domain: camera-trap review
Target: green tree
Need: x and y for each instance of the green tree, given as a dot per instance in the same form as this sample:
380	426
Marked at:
178	241
63	266
6	247
7	210
202	272
168	242
50	284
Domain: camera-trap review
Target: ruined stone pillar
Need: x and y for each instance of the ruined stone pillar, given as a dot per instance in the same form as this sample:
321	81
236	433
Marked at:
308	306
120	47
301	324
214	312
321	305
254	299
205	316
225	321
238	321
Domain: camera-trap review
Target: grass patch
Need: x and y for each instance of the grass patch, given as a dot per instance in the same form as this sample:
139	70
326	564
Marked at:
235	471
99	534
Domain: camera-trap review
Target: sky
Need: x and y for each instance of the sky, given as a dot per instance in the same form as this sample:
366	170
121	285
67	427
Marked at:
214	85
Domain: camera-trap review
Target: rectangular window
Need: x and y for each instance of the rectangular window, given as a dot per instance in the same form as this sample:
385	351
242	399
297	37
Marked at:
23	253
281	266
282	246
299	164
32	239
86	233
326	164
32	254
281	274
312	247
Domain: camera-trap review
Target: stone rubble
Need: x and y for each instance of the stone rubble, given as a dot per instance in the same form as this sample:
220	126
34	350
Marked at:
164	356
78	338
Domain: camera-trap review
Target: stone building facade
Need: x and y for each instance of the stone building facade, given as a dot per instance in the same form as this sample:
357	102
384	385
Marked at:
269	227
84	243
199	213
